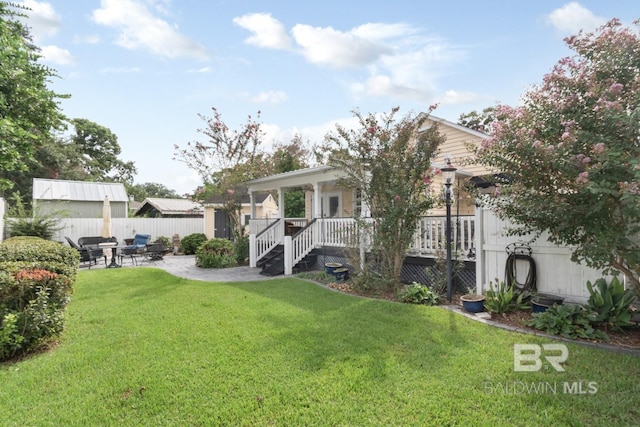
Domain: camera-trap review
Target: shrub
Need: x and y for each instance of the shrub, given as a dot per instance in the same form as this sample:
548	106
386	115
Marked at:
191	242
164	241
36	281
611	303
503	299
417	293
36	224
215	253
241	249
569	321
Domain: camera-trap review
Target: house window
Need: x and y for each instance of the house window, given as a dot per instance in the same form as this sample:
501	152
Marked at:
247	217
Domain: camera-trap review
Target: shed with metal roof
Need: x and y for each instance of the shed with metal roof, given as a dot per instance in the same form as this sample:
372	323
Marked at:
79	199
154	207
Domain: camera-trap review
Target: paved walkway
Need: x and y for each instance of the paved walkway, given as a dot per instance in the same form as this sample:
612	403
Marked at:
185	266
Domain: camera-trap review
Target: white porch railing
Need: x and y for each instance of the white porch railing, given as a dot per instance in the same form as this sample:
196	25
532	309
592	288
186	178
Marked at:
343	232
305	241
268	239
430	236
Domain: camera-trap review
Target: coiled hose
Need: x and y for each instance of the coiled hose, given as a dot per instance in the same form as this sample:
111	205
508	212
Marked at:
511	273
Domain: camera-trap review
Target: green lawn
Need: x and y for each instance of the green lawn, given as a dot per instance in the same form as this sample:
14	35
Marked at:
145	348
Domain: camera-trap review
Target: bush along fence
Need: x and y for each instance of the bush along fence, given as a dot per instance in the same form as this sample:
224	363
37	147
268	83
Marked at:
36	282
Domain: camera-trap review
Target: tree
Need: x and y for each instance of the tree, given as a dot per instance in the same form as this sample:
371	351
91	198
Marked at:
225	161
389	161
93	154
571	153
287	158
89	153
28	109
478	121
150	189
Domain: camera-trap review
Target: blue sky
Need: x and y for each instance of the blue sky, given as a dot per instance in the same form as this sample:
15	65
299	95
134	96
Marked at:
146	68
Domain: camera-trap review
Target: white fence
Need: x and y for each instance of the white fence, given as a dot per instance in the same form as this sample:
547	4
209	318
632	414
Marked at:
124	228
556	273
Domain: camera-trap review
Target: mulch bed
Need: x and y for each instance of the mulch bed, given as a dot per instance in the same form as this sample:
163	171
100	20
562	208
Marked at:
629	338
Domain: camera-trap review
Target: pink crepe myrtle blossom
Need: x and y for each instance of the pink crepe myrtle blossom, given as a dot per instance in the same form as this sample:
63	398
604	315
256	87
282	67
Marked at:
616	88
586	160
230	191
583	178
537	143
599	148
397	198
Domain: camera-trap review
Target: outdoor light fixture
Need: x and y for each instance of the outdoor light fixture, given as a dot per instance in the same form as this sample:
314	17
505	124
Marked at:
449	175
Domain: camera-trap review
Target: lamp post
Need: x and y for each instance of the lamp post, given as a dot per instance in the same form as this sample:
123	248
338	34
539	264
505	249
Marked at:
448	174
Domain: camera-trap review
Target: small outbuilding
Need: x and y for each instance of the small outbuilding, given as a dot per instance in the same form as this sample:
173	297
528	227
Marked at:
79	199
153	207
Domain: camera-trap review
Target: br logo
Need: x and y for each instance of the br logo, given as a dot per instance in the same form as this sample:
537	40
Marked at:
528	357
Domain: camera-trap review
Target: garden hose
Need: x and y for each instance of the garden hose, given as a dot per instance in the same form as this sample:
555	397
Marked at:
511	273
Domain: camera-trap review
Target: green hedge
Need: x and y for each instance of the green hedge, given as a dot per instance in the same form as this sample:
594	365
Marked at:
216	253
190	243
36	282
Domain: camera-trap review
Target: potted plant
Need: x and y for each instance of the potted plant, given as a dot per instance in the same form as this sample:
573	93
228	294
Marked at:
331	266
541	302
472	301
341	273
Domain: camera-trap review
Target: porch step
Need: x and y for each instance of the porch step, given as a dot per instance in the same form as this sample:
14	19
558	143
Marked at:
273	263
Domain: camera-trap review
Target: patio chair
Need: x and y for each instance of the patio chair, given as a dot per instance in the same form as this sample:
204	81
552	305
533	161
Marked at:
155	252
136	248
87	255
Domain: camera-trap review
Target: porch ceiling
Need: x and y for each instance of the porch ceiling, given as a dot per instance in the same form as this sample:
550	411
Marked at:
296	178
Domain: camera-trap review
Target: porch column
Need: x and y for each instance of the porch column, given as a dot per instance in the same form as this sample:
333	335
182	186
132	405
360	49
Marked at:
252	202
479	244
281	201
317	209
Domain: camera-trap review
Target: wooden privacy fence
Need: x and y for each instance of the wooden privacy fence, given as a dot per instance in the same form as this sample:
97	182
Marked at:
124	228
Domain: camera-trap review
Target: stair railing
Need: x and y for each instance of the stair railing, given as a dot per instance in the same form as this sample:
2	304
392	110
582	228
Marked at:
269	238
304	241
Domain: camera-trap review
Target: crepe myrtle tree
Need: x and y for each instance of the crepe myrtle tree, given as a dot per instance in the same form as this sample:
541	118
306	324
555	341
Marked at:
389	161
571	153
226	159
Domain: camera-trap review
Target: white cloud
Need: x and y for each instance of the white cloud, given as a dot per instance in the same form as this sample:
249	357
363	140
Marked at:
573	17
57	55
340	49
399	60
203	70
453	97
270	97
267	31
43	19
140	29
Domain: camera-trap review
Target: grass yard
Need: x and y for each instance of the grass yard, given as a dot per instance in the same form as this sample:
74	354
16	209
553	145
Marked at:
143	347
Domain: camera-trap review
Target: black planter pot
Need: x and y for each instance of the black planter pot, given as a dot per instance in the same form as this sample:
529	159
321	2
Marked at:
541	302
473	305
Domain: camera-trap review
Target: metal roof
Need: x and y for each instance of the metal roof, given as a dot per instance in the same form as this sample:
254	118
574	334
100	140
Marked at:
172	206
57	189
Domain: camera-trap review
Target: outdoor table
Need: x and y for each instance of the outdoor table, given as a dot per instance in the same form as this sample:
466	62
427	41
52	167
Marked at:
114	250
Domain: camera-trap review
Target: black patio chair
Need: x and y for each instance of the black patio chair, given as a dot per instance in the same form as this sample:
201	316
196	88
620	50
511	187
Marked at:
87	255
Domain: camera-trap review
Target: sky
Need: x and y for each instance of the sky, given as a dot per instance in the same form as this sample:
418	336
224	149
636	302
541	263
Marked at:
149	69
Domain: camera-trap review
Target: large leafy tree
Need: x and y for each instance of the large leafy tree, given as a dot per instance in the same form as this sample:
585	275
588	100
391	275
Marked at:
571	152
88	153
150	189
28	109
389	161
